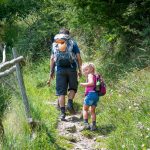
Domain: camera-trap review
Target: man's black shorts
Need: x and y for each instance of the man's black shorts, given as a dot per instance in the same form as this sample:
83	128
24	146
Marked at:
66	80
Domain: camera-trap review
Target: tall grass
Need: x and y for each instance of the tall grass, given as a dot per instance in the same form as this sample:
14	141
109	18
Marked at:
18	134
124	114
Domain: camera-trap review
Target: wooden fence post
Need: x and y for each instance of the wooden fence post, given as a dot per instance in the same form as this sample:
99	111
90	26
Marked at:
22	87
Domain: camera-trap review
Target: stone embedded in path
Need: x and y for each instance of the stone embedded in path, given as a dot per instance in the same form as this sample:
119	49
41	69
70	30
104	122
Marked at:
73	118
71	128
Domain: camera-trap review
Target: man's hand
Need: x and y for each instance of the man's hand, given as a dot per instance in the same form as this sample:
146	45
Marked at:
79	60
52	76
49	82
80	73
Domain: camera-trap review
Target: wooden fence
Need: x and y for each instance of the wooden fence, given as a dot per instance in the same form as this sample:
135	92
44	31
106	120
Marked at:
7	68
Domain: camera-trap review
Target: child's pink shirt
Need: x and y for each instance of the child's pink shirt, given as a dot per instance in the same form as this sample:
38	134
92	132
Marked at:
90	88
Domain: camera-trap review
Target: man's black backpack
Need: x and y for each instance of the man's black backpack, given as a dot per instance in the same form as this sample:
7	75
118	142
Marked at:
62	49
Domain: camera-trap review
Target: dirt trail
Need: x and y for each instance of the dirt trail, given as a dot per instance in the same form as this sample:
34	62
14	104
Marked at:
71	129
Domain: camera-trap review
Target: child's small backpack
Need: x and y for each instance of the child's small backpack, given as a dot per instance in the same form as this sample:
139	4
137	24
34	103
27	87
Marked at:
100	86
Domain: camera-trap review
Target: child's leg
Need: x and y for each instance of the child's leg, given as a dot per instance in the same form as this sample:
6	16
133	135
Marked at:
86	125
85	113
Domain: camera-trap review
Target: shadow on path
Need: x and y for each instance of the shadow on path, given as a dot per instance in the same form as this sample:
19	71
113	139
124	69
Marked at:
106	129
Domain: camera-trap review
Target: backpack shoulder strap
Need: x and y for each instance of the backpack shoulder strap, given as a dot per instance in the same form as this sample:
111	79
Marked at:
70	45
98	76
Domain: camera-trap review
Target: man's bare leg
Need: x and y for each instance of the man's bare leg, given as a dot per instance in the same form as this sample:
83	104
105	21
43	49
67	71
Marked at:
71	94
62	106
62	100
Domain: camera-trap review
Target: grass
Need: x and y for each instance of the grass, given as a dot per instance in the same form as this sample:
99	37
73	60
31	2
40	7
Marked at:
18	134
123	115
126	110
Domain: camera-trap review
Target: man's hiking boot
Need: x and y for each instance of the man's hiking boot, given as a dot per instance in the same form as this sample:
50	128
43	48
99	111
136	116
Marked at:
62	116
70	108
93	128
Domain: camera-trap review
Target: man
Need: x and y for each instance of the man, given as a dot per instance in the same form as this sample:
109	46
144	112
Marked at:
66	59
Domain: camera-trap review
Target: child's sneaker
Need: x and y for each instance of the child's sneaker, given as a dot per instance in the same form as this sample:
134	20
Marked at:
86	126
93	127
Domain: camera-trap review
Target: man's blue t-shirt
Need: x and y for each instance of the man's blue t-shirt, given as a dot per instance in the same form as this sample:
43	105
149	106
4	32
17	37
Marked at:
75	50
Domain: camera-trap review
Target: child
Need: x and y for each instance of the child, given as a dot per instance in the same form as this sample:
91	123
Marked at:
91	96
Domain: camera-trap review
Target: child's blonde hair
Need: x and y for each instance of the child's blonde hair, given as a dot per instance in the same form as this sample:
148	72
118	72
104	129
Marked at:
88	64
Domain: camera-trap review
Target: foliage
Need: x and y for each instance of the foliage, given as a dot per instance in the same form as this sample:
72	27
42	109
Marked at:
4	100
109	35
18	8
127	112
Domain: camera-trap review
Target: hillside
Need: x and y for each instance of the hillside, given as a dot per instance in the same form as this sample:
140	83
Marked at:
114	35
122	115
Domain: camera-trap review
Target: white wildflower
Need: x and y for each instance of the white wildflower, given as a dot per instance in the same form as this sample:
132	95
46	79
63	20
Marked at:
140	125
8	108
136	108
130	107
119	109
142	145
123	146
136	104
119	95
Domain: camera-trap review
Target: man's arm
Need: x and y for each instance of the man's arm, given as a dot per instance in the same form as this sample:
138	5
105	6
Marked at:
79	60
52	69
52	66
79	63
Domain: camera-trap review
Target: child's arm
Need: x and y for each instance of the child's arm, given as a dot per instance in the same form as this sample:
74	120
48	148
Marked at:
90	81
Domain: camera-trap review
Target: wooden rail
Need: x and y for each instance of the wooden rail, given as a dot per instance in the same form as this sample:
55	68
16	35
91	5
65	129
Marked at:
10	63
13	65
8	71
